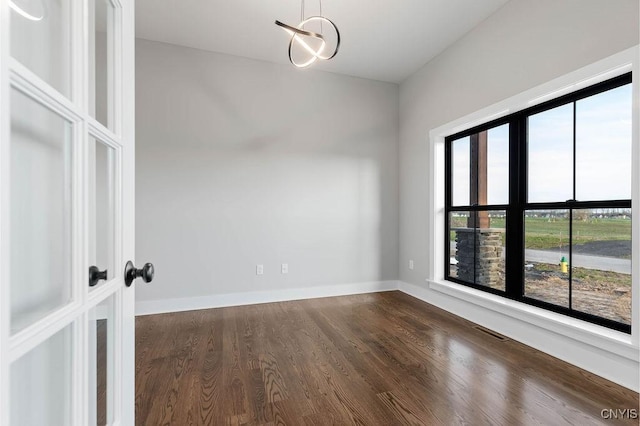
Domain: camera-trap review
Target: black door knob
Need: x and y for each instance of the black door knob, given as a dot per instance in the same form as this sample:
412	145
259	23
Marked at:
96	275
131	273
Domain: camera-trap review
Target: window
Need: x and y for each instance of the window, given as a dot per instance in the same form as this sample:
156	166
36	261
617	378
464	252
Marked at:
538	205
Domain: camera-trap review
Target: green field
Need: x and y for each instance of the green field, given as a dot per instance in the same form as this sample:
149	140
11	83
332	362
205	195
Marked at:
545	233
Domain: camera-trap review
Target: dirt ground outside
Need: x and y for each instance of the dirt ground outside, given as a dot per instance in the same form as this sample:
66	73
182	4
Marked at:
602	293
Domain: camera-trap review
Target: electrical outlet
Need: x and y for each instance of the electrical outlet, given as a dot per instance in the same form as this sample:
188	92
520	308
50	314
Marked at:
411	264
285	268
259	269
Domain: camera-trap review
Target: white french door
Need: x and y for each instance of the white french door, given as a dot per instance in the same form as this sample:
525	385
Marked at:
66	212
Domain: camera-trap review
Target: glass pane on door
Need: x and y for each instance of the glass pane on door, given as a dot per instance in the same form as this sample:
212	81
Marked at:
41	383
102	199
101	65
101	365
41	152
41	39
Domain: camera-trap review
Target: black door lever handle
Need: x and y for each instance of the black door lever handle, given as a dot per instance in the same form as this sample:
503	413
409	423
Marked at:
131	273
96	275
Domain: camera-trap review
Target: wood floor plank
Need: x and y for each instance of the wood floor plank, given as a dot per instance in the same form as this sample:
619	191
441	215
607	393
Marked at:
374	359
401	409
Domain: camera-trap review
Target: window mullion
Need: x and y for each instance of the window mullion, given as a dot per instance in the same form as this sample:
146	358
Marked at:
570	259
571	212
514	256
574	152
447	204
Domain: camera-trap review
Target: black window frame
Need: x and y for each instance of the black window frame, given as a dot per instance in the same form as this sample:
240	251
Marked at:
518	205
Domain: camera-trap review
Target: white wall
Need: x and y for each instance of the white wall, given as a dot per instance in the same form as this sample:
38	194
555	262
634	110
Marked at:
524	44
241	162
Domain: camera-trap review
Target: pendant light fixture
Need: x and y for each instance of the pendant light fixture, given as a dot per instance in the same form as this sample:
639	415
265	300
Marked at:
311	42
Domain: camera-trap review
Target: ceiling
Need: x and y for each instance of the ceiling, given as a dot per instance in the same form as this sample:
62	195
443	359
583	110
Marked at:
385	40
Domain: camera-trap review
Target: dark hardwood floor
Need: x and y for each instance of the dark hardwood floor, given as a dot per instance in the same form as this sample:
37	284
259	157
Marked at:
101	372
375	359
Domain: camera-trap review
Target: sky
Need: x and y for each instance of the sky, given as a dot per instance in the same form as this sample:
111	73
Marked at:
603	153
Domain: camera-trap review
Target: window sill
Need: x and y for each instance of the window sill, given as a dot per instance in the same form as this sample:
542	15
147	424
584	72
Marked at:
584	332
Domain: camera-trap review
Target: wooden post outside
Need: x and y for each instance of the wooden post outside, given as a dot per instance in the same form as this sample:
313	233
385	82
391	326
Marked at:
478	183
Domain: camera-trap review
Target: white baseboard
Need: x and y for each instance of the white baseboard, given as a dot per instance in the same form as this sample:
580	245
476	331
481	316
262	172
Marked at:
605	354
151	307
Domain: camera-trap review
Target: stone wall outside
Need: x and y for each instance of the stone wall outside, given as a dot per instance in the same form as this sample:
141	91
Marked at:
489	262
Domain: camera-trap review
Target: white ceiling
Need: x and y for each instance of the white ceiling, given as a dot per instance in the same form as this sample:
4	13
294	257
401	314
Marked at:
385	40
